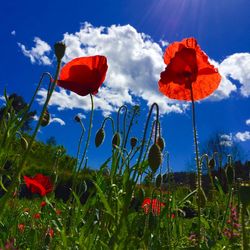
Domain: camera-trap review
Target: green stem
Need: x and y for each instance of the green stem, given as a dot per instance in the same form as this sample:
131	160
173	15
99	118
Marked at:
244	235
197	165
89	131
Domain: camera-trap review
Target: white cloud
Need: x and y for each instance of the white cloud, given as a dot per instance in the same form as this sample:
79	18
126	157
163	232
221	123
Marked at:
226	140
248	122
242	136
57	120
38	53
135	63
237	66
13	33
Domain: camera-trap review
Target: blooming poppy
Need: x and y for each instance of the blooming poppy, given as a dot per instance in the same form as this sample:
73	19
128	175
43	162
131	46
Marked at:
83	75
154	204
21	227
43	204
39	184
188	66
37	216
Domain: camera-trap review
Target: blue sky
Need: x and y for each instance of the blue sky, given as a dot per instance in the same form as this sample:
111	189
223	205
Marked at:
133	34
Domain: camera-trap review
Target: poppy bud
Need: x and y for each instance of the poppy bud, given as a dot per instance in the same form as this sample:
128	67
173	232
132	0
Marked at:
59	50
230	174
116	139
154	157
244	192
211	163
77	118
133	142
99	137
158	180
45	119
24	143
161	143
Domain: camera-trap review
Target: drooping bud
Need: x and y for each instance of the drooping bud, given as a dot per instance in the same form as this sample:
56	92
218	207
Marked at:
59	50
211	163
133	142
161	143
24	143
154	157
99	137
116	139
77	118
158	181
45	119
230	174
244	192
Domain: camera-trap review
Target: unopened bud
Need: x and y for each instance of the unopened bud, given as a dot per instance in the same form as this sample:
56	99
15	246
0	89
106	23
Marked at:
154	157
116	139
99	137
211	163
158	180
133	142
77	118
59	50
161	143
45	119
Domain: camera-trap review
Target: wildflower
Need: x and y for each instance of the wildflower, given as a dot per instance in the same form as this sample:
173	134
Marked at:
39	184
154	204
21	227
51	232
43	204
37	216
58	211
188	66
84	75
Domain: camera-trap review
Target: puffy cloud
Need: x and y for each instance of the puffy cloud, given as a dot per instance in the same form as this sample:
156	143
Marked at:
237	66
226	140
248	122
13	33
38	53
242	136
53	119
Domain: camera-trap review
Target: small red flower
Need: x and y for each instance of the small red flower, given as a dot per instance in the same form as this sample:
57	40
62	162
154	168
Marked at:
21	227
58	211
51	232
39	184
188	66
155	206
37	216
83	75
43	204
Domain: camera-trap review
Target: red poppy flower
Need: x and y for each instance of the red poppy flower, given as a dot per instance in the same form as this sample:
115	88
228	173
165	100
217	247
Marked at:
155	206
51	232
187	65
21	227
39	184
37	216
83	75
43	204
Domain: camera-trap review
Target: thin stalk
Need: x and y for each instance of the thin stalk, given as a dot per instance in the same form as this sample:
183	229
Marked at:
197	165
244	235
80	142
89	131
112	123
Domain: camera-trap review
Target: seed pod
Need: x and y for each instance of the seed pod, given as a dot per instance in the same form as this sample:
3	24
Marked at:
116	139
24	143
230	174
99	138
211	163
59	50
45	119
133	142
161	143
244	192
154	157
77	118
158	181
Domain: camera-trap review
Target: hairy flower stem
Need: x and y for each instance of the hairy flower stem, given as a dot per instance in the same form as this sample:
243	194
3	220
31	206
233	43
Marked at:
89	131
197	166
26	153
80	142
112	123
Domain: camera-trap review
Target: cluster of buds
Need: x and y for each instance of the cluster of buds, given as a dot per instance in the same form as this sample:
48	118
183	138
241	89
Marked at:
233	226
